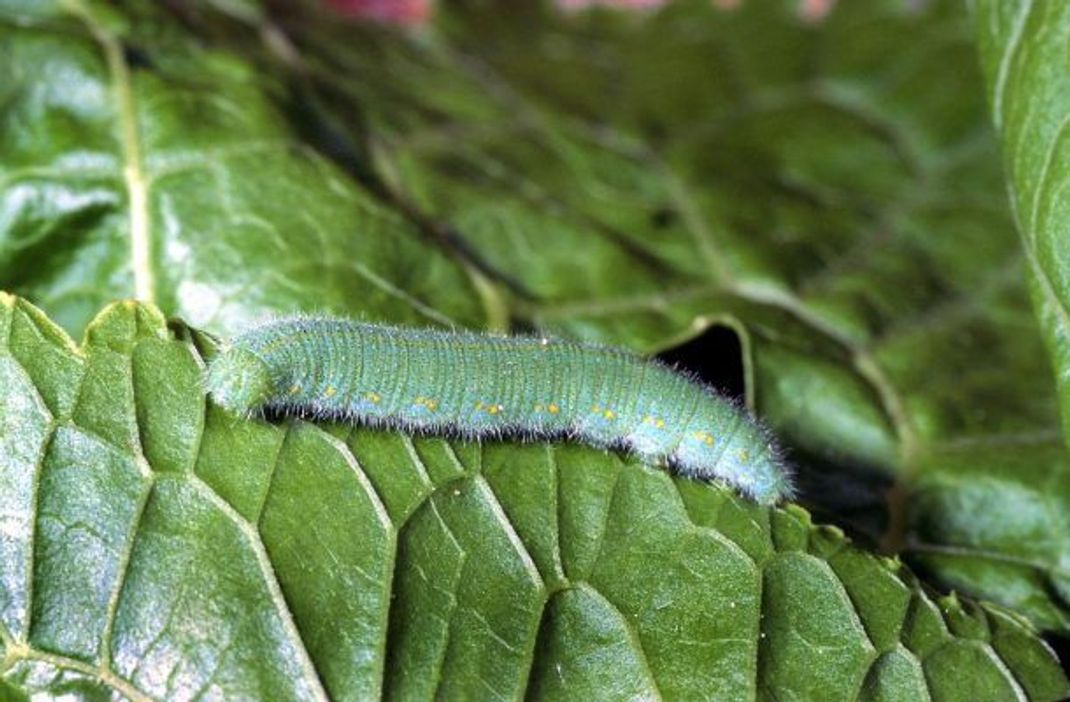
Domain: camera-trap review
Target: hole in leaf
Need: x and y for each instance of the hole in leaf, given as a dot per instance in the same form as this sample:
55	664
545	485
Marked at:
715	357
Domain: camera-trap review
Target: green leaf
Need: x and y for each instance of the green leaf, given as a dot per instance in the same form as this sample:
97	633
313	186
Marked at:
1023	51
141	162
156	548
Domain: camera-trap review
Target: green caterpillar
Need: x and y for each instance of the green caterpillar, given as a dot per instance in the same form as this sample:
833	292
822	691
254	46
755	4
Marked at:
480	386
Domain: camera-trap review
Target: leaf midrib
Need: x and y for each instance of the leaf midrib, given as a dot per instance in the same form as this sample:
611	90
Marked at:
129	137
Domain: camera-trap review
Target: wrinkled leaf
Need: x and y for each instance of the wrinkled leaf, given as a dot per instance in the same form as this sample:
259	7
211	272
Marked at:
154	547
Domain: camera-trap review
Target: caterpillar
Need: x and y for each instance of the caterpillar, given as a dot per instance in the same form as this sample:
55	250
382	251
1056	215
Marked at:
480	386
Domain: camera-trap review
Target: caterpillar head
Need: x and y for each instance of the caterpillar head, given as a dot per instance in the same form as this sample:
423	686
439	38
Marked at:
239	381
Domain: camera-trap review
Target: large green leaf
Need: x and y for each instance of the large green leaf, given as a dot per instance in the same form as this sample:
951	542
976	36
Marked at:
154	547
831	191
140	162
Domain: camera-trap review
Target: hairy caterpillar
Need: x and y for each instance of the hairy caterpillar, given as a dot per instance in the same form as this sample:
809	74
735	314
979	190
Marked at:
481	386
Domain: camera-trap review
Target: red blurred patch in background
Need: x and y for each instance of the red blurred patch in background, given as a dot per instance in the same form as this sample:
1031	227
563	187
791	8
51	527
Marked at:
631	4
406	12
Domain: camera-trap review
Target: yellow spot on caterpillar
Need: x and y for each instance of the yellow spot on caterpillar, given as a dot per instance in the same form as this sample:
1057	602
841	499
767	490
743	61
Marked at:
373	397
552	408
330	391
596	409
705	438
426	402
744	456
538	407
480	405
494	409
609	414
294	389
659	423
